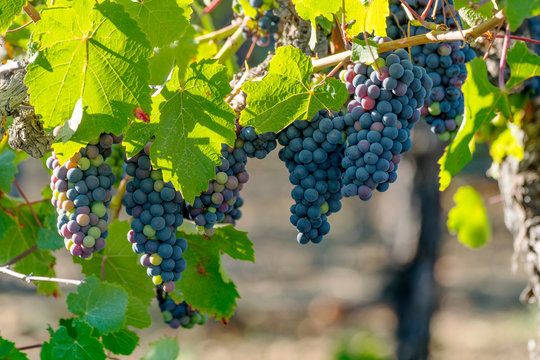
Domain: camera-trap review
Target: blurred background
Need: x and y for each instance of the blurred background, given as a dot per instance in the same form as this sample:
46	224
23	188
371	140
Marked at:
366	292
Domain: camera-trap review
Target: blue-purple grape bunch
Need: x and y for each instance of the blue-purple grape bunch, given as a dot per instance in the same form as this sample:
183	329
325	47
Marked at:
312	153
82	194
387	95
156	209
219	200
179	314
264	27
444	62
253	144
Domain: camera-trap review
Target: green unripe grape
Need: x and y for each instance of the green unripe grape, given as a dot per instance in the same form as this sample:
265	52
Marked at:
239	143
94	141
167	316
94	232
159	185
90	257
435	108
221	178
219	187
149	231
212	209
155	259
68	243
156	175
459	120
99	209
445	136
84	163
231	202
197	318
98	160
342	75
157	279
324	207
89	241
381	62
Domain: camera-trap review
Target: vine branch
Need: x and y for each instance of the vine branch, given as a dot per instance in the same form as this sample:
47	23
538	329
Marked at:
28	203
434	36
29	278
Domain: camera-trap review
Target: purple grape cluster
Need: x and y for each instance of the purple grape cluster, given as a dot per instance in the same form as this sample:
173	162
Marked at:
444	62
219	200
82	194
180	314
312	153
156	210
387	95
255	145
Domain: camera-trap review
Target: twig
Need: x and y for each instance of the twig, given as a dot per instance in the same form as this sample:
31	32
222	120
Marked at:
212	6
426	10
331	73
20	27
502	63
34	202
434	36
231	45
28	347
12	66
532	41
29	278
21	256
415	14
27	203
218	34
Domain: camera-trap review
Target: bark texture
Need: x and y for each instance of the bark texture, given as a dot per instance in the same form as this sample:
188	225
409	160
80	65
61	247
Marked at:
519	182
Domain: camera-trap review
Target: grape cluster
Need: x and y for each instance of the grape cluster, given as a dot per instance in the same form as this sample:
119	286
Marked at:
180	314
156	208
312	153
220	198
444	62
116	160
81	194
380	120
255	145
264	28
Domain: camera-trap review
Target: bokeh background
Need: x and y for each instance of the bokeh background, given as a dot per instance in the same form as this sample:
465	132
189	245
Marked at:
330	300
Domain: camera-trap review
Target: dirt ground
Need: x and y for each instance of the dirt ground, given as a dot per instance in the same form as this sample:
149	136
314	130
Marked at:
306	302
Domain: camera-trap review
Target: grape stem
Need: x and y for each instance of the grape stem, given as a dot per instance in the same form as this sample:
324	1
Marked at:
218	34
418	17
20	27
434	36
232	44
34	202
212	6
29	278
28	203
502	63
28	347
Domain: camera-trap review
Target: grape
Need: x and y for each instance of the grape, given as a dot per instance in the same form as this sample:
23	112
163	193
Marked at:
156	213
81	200
376	138
312	152
179	314
444	62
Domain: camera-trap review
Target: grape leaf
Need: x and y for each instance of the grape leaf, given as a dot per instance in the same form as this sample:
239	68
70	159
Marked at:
8	10
309	10
285	94
370	18
179	53
469	218
19	236
517	11
48	239
9	351
73	341
194	121
122	342
471	16
505	144
248	9
8	169
95	52
482	102
121	267
163	349
163	21
202	283
137	314
102	305
234	243
523	63
361	51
